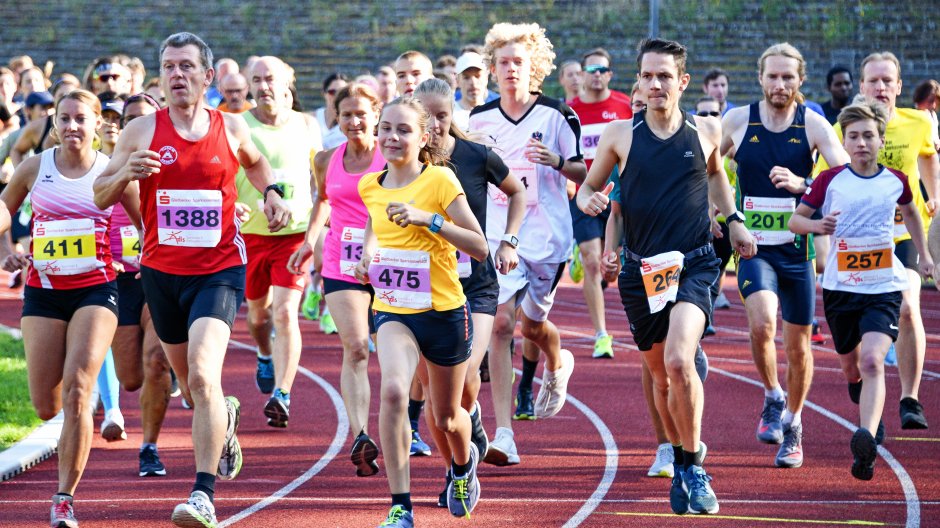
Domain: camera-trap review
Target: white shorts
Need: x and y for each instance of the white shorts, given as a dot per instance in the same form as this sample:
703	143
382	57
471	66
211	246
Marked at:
532	284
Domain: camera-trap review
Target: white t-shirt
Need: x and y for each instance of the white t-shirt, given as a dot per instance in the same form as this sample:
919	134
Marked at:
546	233
332	137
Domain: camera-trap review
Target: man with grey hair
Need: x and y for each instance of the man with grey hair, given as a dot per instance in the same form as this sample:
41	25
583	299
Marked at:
193	261
223	67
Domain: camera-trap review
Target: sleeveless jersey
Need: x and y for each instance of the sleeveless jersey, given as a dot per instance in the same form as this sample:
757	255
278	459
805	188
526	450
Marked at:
188	209
347	212
70	245
287	149
125	241
664	191
760	151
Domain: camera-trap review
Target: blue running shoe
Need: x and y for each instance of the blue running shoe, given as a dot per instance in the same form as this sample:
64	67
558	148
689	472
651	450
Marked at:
701	497
678	493
264	375
277	410
398	517
525	409
464	490
891	359
418	446
150	465
770	428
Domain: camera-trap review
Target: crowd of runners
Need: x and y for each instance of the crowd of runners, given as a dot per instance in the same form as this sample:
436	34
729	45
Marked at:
420	214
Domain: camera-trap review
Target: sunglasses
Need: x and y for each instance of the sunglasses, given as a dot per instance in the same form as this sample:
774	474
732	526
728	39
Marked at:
107	77
331	92
597	69
708	114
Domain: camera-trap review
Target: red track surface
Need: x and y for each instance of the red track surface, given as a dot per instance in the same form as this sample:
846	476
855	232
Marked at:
563	459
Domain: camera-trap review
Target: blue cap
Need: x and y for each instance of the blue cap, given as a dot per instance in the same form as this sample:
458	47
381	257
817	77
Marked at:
39	98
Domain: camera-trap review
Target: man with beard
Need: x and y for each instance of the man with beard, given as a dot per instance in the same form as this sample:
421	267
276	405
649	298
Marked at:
773	142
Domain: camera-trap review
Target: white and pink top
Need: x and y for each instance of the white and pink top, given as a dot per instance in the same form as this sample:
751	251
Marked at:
125	240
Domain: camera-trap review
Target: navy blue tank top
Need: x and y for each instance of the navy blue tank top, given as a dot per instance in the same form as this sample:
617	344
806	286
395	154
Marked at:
664	191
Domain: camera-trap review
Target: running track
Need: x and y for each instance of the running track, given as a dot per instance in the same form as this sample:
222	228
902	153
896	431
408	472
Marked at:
585	467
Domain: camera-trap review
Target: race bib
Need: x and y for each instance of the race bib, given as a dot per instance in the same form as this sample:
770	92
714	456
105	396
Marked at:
64	247
526	171
130	246
767	219
350	250
402	278
899	228
661	278
463	265
590	136
864	261
190	218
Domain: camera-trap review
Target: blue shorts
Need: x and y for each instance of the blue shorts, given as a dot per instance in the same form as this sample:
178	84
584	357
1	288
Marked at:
131	295
444	338
587	227
177	301
793	282
62	304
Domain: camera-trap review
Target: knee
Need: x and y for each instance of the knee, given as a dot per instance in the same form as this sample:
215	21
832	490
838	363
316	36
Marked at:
259	318
131	384
46	410
395	395
504	326
76	398
446	423
762	330
356	351
156	366
870	365
908	315
677	367
284	315
200	387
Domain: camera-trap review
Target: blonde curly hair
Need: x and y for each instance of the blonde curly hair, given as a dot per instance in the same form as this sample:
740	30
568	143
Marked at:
532	36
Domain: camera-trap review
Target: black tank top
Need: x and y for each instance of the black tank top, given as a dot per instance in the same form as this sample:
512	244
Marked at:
664	191
761	151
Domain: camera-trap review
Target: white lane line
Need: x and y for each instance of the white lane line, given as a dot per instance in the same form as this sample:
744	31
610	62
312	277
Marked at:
342	431
910	492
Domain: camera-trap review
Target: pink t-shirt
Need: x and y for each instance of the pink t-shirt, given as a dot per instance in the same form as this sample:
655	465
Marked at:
343	245
125	244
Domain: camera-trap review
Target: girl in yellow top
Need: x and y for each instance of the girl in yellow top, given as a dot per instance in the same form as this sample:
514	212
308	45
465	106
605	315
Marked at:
418	215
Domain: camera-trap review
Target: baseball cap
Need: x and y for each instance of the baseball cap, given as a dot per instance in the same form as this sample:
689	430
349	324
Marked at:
113	105
39	98
470	60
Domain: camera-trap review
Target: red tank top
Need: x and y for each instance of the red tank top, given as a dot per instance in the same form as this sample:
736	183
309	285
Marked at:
188	209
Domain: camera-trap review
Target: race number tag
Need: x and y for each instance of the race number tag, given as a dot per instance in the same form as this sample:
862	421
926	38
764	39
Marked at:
130	246
64	247
402	278
285	179
590	136
463	265
864	261
350	250
190	218
527	173
899	228
767	219
661	278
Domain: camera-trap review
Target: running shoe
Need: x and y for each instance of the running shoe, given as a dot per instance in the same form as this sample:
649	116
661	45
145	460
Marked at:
477	433
576	270
327	326
264	375
891	358
174	385
770	429
865	450
150	465
112	428
880	433
701	497
912	414
817	338
277	410
722	302
230	463
398	517
701	363
464	491
603	347
678	492
790	454
502	450
663	464
525	409
554	388
62	515
709	331
197	512
418	446
442	498
311	305
363	455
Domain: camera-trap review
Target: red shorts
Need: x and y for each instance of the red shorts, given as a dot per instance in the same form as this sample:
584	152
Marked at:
267	264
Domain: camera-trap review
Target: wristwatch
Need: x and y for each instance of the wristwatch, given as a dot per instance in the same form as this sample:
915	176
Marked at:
512	240
437	222
273	187
734	217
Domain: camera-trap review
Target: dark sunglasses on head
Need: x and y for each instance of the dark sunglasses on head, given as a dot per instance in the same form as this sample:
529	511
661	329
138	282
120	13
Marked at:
331	92
597	69
706	114
108	77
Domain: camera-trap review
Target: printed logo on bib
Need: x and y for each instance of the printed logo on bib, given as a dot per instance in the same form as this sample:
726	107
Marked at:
899	228
189	218
864	261
661	278
64	247
350	250
130	246
767	219
402	278
168	155
463	265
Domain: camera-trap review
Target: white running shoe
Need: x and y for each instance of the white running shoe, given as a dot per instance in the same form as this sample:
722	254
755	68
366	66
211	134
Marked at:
722	302
554	389
112	428
662	466
502	450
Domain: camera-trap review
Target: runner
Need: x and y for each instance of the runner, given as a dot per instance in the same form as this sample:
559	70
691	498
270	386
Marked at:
863	281
476	167
326	115
70	305
417	216
411	69
538	138
597	106
773	143
193	261
274	294
672	173
338	172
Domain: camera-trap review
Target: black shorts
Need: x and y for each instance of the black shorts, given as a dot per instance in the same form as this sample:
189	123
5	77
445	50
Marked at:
587	227
334	285
177	301
851	315
443	337
131	295
695	282
907	254
793	282
482	295
62	304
